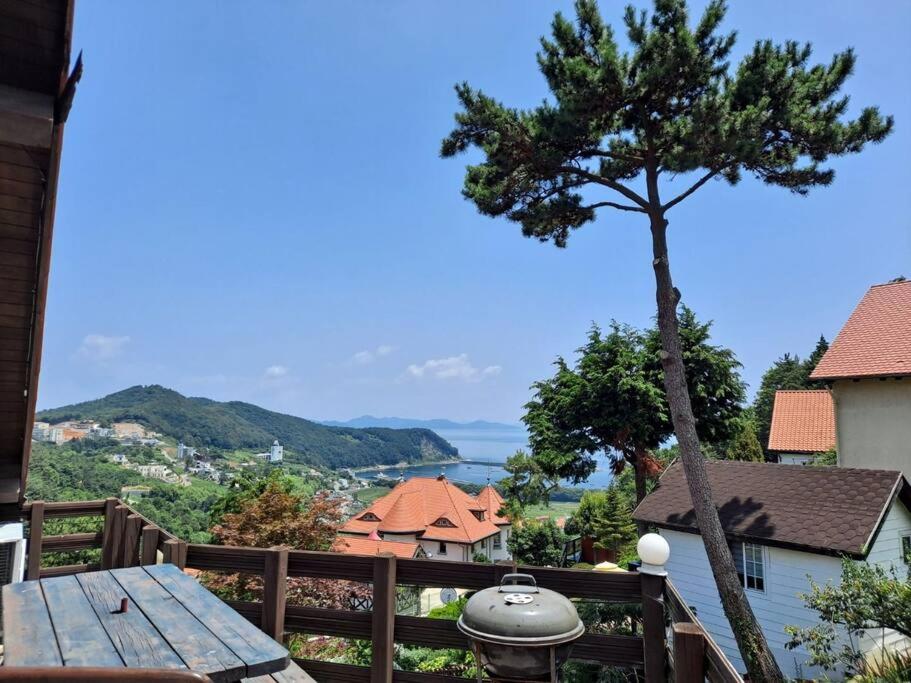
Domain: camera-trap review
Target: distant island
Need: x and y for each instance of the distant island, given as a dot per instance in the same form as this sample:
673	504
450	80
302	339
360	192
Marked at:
407	423
232	425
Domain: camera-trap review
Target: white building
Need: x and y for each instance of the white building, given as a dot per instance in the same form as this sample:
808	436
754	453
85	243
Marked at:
276	453
783	523
185	452
446	522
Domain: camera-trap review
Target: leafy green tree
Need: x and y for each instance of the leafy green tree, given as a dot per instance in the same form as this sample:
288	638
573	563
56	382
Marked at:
537	542
744	444
613	401
670	107
868	597
526	484
606	516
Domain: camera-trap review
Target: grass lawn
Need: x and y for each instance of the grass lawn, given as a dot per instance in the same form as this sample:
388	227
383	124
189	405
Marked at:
370	494
554	510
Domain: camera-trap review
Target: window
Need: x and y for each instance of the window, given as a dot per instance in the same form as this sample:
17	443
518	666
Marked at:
497	543
369	517
442	550
444	522
749	560
906	547
479	514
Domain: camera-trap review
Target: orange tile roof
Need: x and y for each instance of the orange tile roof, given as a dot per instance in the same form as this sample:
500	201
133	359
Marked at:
492	501
352	545
803	421
433	508
876	340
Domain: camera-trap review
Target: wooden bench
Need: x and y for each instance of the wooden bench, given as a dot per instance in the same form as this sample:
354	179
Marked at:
293	674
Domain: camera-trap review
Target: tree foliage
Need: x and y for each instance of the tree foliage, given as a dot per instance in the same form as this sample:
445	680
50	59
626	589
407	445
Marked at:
868	597
279	517
526	484
612	400
537	542
606	516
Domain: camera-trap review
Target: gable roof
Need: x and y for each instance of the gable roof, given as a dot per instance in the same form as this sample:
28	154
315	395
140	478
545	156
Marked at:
803	421
419	505
353	545
826	510
492	501
876	340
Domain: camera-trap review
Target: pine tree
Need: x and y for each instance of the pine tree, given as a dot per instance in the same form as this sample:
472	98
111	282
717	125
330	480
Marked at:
669	107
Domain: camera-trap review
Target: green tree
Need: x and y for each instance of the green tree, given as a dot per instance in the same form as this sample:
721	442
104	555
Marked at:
670	107
526	484
537	542
868	597
744	443
613	401
606	516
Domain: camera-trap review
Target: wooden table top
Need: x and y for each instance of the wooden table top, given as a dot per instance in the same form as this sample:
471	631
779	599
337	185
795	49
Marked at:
171	622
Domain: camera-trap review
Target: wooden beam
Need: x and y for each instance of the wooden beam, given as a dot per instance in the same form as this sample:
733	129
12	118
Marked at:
275	591
35	534
150	534
689	653
383	618
132	530
107	535
653	628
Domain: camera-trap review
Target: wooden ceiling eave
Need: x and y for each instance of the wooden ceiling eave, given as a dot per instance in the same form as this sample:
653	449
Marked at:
12	488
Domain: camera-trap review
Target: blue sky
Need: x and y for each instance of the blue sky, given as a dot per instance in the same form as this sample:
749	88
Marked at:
252	207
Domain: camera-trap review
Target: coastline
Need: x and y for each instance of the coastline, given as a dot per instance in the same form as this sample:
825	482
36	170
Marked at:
405	465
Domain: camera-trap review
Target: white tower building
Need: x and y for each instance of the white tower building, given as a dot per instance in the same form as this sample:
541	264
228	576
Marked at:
276	453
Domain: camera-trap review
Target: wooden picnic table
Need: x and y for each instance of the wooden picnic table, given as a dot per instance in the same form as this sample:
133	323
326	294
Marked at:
170	622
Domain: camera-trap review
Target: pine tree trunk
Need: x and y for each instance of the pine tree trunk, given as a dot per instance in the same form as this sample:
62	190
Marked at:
754	649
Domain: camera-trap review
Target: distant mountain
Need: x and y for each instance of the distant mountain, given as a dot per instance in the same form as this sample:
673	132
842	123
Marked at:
405	423
231	425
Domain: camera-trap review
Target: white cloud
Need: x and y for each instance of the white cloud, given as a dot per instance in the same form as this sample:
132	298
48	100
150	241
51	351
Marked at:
276	371
100	348
452	368
369	355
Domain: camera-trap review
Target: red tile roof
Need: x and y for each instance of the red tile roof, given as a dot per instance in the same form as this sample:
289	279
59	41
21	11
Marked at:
803	421
827	510
492	501
353	545
433	508
876	340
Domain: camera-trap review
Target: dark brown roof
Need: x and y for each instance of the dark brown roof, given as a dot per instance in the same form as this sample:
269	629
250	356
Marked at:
829	510
876	340
35	42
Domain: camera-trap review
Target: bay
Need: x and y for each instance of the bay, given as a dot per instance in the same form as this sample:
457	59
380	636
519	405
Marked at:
483	452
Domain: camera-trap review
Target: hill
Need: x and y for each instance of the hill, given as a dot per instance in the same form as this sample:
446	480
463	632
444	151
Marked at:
233	425
405	423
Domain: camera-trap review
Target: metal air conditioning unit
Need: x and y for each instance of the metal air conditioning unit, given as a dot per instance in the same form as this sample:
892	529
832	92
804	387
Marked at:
12	553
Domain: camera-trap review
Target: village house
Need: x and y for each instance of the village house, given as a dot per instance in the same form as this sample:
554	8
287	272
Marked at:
783	523
868	368
803	426
446	522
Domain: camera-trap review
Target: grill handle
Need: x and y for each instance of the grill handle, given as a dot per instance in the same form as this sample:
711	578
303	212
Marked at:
510	581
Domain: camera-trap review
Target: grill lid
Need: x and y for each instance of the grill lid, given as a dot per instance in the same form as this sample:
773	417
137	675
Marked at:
517	612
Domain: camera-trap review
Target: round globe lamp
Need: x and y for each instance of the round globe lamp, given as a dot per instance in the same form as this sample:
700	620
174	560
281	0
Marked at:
654	551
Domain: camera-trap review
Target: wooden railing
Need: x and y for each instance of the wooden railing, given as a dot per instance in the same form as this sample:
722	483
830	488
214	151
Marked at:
129	539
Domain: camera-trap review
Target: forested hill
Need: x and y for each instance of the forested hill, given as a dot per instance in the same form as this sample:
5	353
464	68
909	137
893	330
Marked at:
233	425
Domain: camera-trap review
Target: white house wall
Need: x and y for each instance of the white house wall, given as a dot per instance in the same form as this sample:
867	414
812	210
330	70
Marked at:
779	606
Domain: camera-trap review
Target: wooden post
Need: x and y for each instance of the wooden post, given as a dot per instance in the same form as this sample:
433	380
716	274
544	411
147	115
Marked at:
275	590
175	552
131	532
150	534
689	653
653	628
107	536
383	627
118	530
35	533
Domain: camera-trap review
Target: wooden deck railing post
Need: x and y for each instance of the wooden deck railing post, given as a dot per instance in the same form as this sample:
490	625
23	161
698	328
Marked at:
275	591
131	532
383	625
107	536
653	628
175	552
35	534
689	653
150	535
